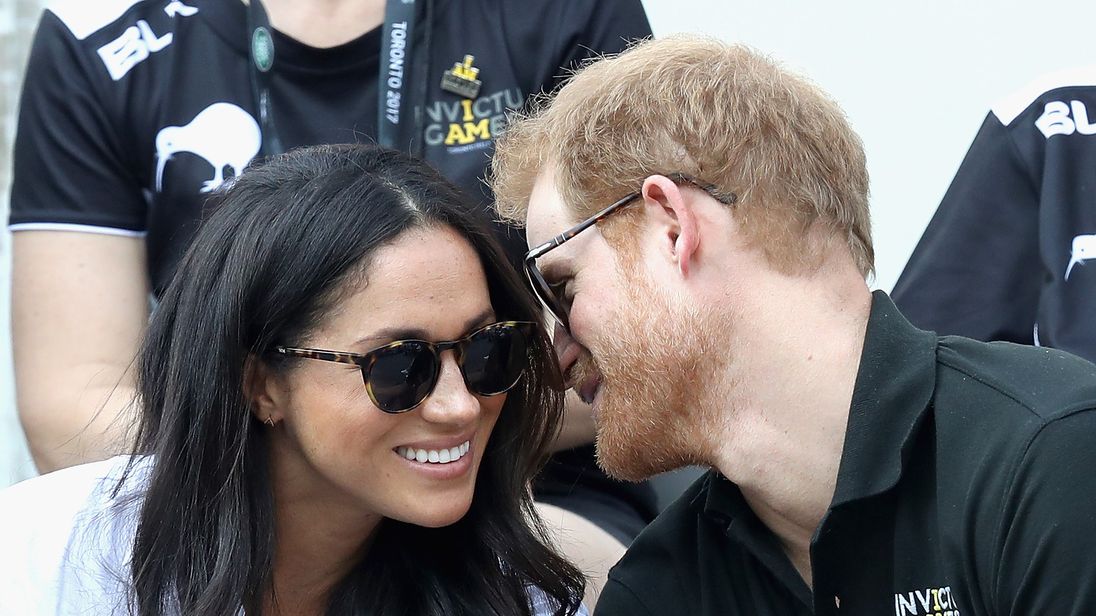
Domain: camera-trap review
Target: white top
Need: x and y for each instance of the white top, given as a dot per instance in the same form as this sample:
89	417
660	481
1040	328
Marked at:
67	539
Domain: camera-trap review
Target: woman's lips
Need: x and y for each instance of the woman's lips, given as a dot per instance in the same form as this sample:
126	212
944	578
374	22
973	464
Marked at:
454	463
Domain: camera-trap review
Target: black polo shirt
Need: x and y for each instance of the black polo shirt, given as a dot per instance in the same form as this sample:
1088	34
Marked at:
967	486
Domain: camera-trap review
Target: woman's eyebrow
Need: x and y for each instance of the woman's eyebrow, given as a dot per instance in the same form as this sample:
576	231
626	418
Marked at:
389	334
413	333
484	318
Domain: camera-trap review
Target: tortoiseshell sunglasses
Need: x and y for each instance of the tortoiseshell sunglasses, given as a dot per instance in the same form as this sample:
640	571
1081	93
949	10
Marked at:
555	304
400	375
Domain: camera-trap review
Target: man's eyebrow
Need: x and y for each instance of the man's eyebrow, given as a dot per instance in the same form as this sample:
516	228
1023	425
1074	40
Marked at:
555	269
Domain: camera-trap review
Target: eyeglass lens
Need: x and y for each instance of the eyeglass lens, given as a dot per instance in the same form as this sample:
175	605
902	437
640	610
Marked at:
555	306
403	374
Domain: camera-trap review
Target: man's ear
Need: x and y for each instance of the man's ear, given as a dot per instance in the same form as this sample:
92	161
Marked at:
262	389
671	212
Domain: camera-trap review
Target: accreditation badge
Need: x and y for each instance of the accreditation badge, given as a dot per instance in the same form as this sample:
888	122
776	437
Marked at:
462	79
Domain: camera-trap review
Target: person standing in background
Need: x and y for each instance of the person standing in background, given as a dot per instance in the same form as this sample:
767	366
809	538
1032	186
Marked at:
133	112
1008	253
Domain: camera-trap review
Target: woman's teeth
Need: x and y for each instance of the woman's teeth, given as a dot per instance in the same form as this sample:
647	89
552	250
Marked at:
435	456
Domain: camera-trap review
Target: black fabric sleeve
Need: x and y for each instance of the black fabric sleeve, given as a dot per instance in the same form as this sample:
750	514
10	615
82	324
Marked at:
976	270
69	162
616	599
1048	534
1067	225
597	27
549	39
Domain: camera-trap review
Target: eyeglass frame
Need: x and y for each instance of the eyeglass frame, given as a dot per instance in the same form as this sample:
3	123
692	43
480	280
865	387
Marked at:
543	290
365	361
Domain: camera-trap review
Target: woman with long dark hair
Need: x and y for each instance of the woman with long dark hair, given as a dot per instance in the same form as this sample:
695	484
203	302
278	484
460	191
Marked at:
344	393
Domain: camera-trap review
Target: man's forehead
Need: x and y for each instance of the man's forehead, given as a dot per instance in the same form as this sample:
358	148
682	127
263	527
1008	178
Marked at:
547	216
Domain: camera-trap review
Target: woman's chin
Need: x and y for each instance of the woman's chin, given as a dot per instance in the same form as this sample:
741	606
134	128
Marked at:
439	516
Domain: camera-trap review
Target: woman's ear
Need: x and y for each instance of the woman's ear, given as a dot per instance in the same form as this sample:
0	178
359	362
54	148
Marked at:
262	389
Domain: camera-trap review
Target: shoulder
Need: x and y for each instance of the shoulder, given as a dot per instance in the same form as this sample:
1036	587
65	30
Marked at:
575	8
1039	383
1050	94
84	20
1014	428
1046	521
112	36
67	491
608	24
45	523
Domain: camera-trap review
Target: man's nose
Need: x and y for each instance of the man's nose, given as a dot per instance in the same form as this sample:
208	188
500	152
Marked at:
567	349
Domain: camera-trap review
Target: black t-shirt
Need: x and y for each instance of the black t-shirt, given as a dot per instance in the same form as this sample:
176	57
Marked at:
965	488
132	111
1009	254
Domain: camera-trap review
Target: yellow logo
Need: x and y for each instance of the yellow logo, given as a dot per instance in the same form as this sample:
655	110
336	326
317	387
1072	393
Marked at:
462	79
469	124
471	129
466	70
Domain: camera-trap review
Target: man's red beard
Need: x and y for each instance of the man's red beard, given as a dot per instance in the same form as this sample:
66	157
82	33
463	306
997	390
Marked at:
654	371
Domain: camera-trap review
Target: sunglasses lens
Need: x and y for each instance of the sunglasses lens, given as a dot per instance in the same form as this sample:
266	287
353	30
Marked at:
402	376
494	359
546	295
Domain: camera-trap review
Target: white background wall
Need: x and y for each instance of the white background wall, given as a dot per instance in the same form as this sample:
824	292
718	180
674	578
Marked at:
916	79
16	21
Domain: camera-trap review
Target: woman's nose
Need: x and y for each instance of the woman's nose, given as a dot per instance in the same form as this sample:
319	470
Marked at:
451	401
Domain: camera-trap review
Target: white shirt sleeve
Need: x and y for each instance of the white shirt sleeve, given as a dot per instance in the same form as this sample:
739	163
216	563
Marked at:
53	552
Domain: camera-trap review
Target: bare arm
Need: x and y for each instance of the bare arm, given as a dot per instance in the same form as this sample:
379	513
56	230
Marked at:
578	424
79	309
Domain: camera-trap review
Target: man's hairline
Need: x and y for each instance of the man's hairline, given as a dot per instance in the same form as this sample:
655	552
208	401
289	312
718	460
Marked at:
548	166
572	213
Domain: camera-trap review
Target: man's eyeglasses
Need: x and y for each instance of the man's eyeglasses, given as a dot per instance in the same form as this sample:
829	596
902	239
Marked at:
400	375
552	300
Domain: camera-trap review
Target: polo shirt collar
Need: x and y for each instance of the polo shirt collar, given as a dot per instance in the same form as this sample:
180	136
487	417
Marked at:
721	501
894	387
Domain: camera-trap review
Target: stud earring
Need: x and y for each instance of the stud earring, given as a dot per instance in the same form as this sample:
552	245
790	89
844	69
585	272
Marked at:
269	421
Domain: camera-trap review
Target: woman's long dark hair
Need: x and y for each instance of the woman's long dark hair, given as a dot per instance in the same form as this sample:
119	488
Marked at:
263	270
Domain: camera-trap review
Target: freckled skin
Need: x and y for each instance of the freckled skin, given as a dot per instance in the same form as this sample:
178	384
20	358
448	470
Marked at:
334	448
622	326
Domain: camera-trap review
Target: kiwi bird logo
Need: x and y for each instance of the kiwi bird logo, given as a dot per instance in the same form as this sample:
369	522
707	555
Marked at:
1084	248
222	134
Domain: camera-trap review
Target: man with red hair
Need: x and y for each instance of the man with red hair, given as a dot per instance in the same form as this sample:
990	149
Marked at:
699	226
